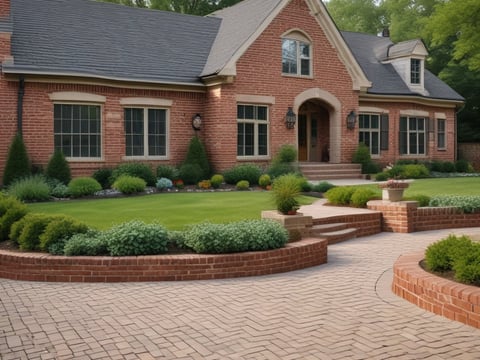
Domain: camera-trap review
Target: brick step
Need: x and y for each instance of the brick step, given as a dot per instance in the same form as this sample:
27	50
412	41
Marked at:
334	237
325	228
320	171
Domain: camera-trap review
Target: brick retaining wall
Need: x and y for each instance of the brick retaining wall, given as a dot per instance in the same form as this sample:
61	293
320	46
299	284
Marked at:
366	224
432	293
44	267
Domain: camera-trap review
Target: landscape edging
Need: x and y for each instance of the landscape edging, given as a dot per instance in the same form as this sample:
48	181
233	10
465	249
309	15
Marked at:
45	267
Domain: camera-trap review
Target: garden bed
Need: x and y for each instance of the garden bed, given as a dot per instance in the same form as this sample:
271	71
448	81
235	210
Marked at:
44	267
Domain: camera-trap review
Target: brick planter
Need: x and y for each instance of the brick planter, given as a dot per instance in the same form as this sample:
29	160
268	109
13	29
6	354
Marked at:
432	293
43	267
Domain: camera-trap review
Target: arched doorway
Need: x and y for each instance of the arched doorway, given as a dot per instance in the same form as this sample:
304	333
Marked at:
313	132
318	131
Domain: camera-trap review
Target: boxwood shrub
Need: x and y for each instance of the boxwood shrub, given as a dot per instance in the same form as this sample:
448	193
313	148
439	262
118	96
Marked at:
247	235
361	196
341	195
127	184
143	171
249	172
87	244
59	230
11	210
83	186
135	238
27	231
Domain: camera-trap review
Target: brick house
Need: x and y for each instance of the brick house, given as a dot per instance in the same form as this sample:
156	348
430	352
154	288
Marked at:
108	84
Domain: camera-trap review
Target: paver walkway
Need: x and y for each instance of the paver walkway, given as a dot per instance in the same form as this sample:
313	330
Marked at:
340	310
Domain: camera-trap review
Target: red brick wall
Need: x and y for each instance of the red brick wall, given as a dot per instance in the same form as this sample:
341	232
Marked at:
441	296
38	122
4	8
43	267
471	153
392	154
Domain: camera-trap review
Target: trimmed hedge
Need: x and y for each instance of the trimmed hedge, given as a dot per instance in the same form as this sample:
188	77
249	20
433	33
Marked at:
83	186
11	210
247	235
249	172
127	184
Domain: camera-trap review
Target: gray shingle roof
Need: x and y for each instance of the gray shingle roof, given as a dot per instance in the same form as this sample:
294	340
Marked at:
239	23
370	50
84	37
403	48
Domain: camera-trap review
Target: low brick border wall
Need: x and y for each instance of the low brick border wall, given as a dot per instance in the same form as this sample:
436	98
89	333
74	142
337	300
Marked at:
366	224
432	293
44	267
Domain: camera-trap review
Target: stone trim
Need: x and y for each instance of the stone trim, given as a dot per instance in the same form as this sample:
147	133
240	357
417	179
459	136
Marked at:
44	267
443	297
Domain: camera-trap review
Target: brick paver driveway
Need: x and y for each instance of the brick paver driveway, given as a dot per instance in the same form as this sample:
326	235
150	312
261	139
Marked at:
341	310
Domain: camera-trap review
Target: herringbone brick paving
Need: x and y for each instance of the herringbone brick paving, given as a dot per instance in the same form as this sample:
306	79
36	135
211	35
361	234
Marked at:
340	310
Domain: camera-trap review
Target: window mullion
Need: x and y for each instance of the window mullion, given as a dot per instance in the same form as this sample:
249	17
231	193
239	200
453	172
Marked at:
145	132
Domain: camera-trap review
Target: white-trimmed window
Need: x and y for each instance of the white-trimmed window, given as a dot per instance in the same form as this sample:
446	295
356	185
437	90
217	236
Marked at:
441	134
252	130
77	130
296	55
146	132
413	135
415	71
369	132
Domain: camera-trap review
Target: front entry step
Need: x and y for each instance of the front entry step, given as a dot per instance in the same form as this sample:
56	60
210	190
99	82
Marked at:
334	233
327	171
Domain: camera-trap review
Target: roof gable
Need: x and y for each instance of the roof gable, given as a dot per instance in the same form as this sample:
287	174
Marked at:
407	49
244	22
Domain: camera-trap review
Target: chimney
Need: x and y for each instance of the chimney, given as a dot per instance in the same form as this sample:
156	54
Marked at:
386	32
4	8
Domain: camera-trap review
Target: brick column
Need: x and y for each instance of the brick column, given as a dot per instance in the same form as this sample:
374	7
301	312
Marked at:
396	216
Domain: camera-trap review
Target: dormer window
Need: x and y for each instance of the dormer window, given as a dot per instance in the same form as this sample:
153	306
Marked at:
296	55
416	71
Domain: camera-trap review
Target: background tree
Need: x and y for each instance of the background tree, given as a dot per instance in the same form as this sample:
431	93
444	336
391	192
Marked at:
357	15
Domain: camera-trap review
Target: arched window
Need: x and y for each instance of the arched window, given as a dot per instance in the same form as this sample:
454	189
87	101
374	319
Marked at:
296	54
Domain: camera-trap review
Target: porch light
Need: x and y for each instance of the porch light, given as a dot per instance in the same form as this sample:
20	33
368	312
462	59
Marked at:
196	122
351	120
290	118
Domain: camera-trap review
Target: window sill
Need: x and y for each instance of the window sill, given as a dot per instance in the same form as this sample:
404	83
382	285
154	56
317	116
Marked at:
309	77
84	159
253	158
131	158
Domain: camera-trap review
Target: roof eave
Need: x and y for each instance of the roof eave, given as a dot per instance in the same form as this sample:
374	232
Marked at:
441	102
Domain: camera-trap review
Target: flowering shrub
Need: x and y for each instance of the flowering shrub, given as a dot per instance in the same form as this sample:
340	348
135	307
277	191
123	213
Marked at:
179	184
164	183
393	184
205	184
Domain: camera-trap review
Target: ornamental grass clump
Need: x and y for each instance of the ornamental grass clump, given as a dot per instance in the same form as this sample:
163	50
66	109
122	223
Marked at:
286	189
30	189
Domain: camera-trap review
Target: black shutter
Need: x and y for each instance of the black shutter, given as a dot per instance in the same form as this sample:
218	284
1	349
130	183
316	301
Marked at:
384	124
402	136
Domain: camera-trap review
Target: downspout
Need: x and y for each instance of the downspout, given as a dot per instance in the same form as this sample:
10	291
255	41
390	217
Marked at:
21	93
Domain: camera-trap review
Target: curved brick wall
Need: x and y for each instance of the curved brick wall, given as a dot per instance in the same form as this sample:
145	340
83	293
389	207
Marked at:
44	267
441	296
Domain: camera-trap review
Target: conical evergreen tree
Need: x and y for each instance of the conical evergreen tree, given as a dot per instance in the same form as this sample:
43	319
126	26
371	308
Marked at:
197	155
18	164
58	168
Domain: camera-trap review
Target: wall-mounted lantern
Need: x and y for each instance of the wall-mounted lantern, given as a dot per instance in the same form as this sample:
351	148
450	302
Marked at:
290	118
351	120
196	122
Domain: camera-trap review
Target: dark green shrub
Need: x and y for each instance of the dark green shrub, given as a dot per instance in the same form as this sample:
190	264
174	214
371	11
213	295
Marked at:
286	154
127	184
285	191
248	235
440	256
461	166
83	186
11	210
18	164
414	171
264	180
467	266
136	169
423	200
87	244
167	171
103	177
31	188
278	169
372	168
242	185
362	156
448	167
341	195
382	176
323	187
196	154
176	239
361	196
136	238
29	230
191	174
59	230
249	172
436	165
58	168
217	180
305	185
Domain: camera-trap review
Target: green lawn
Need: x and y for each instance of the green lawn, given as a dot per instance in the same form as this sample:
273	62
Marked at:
174	211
